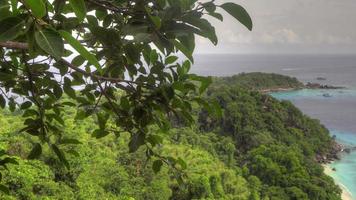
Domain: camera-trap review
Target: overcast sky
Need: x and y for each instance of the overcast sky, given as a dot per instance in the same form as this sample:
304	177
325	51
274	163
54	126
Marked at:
288	26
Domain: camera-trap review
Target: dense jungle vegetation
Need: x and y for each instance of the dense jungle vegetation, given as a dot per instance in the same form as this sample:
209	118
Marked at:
260	148
96	104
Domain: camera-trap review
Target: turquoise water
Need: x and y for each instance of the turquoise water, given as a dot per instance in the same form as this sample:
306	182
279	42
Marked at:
317	94
337	113
345	168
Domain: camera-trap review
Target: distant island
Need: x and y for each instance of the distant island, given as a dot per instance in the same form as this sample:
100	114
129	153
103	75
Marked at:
271	82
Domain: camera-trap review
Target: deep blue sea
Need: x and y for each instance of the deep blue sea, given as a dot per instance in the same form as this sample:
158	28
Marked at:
337	111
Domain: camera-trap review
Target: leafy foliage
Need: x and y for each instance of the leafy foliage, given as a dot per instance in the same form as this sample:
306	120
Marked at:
274	140
123	72
260	148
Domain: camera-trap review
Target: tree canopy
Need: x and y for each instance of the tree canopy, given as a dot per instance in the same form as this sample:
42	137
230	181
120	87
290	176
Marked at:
259	149
113	60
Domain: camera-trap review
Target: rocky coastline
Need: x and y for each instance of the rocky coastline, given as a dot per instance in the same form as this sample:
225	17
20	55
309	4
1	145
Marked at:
335	153
311	85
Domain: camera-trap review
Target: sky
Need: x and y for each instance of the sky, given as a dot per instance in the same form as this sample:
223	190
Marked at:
287	27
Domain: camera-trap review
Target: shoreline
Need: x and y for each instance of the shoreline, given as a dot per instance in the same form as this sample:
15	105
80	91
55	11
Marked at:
270	90
346	194
312	86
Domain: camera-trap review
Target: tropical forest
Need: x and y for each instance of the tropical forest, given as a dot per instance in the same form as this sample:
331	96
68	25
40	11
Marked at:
98	102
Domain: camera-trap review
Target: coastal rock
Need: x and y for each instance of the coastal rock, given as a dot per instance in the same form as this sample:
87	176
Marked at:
327	95
321	86
321	79
347	150
332	155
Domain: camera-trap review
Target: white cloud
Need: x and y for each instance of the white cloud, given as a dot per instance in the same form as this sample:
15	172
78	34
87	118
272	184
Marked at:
291	22
280	36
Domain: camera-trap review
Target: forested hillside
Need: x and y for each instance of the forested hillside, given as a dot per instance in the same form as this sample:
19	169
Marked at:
260	148
97	105
261	81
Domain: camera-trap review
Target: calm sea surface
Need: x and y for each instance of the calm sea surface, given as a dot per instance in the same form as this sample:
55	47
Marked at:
337	112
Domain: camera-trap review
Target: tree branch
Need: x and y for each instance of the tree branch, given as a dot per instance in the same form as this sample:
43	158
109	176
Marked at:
14	45
107	5
24	46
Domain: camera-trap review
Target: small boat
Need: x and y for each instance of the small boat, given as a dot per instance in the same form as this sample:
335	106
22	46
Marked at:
327	95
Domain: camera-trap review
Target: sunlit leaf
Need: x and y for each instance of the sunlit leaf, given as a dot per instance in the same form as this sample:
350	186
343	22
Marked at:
38	8
79	8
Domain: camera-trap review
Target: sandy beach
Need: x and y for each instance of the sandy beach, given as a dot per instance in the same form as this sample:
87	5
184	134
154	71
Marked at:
346	195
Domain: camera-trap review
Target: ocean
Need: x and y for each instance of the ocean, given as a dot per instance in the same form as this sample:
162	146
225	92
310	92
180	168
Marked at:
337	111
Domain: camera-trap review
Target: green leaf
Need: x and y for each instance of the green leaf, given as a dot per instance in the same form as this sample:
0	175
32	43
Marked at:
2	102
204	82
100	133
4	189
73	152
78	61
11	28
136	141
79	8
239	13
157	165
12	105
217	109
60	155
155	19
57	91
80	48
67	87
37	7
182	163
4	10
217	16
8	160
35	152
210	7
51	42
70	141
14	4
26	105
205	28
170	60
183	49
102	119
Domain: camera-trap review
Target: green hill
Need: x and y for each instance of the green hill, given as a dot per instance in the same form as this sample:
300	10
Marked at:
260	148
261	81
